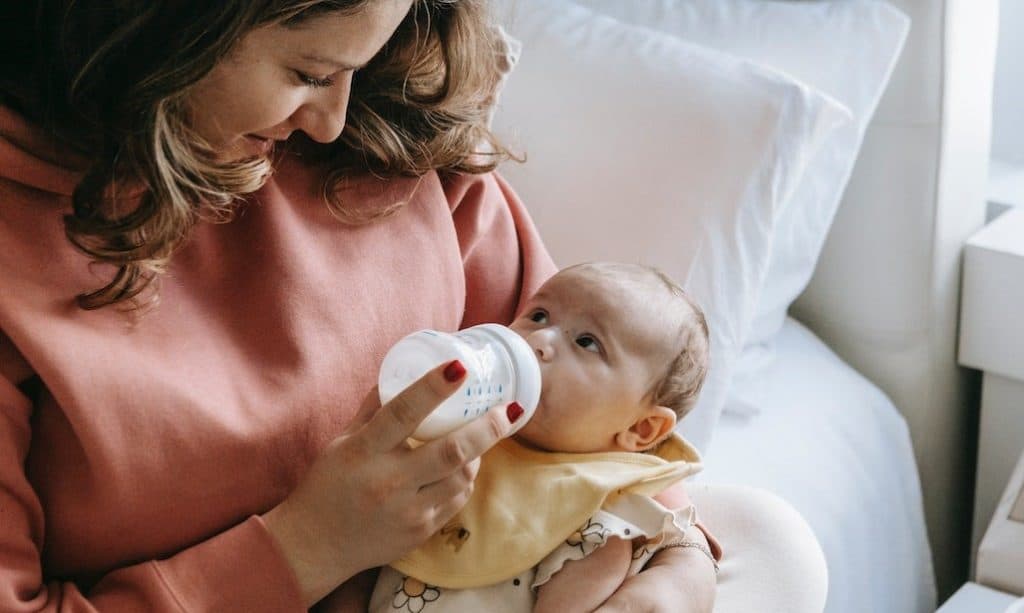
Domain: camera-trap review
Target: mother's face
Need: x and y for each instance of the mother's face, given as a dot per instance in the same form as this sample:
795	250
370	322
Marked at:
281	79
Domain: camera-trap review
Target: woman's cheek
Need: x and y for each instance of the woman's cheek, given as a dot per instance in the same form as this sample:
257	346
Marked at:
273	106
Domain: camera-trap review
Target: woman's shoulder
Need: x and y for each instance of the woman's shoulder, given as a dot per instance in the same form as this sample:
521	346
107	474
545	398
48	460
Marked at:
467	188
457	189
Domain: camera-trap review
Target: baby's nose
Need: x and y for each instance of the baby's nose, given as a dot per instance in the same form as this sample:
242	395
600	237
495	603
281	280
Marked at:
542	343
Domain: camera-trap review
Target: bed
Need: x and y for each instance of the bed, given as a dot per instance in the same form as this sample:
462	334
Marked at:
836	385
833	445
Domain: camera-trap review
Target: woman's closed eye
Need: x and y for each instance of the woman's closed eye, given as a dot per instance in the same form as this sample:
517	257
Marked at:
312	81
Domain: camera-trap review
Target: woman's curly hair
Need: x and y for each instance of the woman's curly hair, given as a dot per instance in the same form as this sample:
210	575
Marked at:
109	80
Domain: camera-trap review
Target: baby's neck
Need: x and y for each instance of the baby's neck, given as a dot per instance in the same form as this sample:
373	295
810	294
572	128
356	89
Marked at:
525	442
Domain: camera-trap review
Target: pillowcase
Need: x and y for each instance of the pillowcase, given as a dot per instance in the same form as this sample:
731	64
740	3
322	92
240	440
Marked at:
644	148
845	49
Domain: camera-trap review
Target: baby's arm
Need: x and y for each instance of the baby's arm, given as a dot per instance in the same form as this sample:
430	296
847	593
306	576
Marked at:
582	585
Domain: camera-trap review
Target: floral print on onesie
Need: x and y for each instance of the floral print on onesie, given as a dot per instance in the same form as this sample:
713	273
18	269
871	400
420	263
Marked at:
649	525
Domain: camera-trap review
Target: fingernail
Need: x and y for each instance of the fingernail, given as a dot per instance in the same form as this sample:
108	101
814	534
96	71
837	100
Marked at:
514	412
454	371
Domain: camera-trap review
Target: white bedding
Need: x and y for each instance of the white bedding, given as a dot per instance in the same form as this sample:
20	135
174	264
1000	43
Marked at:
831	443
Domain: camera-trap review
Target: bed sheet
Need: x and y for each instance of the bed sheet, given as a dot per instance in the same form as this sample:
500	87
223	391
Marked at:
827	440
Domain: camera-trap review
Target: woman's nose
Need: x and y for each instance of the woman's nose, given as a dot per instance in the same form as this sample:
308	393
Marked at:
543	343
323	117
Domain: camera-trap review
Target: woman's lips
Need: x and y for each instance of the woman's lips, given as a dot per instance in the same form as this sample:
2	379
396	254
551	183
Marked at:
259	144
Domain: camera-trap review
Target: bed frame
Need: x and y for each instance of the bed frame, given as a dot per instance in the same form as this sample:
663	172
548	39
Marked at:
886	292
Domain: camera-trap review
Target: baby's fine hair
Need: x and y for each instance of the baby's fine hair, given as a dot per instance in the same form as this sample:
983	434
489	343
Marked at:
679	387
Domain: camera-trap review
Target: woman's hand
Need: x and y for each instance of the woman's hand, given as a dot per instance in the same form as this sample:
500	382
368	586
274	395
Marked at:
676	580
370	498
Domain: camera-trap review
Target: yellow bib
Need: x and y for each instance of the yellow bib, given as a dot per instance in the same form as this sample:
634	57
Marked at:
525	502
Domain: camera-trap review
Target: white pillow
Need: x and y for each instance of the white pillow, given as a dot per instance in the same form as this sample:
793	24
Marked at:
644	148
845	49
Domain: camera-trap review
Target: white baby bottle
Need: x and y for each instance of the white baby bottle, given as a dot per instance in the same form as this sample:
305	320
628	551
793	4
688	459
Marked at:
500	367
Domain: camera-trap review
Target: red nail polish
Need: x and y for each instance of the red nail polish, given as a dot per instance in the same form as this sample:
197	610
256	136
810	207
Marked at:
454	371
514	412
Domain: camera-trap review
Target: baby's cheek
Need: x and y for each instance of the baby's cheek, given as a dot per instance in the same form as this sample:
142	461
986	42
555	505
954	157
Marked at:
519	327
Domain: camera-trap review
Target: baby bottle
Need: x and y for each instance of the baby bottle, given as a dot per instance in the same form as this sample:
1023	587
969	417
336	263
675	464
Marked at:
500	368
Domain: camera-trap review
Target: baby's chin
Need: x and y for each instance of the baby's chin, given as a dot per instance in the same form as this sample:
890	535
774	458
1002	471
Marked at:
532	434
535	436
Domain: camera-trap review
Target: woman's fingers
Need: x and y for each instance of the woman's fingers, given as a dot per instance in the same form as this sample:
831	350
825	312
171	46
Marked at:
458	482
438	459
369	498
369	408
446	510
398	419
443	499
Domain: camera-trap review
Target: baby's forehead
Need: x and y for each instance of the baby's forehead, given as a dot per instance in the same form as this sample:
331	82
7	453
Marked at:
638	308
589	290
599	288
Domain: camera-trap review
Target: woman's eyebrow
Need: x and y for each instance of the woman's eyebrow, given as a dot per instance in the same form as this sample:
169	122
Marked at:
331	62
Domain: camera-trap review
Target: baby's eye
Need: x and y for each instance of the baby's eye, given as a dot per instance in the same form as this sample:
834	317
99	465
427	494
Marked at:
539	316
589	343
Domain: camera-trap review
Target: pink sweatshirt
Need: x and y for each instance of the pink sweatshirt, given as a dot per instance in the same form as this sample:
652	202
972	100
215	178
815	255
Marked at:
134	461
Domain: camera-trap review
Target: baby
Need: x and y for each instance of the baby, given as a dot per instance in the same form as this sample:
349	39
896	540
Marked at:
623	354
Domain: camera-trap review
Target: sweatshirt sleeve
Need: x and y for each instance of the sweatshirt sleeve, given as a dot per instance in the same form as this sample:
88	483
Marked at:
240	569
504	259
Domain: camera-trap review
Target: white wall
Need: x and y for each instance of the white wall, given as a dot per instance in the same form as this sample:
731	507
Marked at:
1008	95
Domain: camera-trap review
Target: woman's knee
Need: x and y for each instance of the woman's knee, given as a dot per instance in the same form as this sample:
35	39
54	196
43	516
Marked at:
772	561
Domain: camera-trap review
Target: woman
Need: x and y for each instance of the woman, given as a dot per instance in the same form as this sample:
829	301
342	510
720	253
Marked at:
299	183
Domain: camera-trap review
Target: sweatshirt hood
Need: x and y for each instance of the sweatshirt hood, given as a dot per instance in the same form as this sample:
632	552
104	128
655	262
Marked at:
30	159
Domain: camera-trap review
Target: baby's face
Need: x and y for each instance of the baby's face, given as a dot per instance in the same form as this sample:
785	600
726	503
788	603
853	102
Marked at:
601	347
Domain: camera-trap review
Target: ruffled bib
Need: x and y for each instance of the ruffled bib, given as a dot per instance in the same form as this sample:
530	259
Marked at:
526	502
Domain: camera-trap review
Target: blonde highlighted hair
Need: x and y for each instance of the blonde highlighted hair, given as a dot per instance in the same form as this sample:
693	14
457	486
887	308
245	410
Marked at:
109	80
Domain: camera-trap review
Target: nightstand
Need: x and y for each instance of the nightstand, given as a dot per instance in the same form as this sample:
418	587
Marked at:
975	598
992	340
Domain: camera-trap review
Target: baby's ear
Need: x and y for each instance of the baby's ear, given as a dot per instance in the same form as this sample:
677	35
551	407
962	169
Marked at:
655	423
